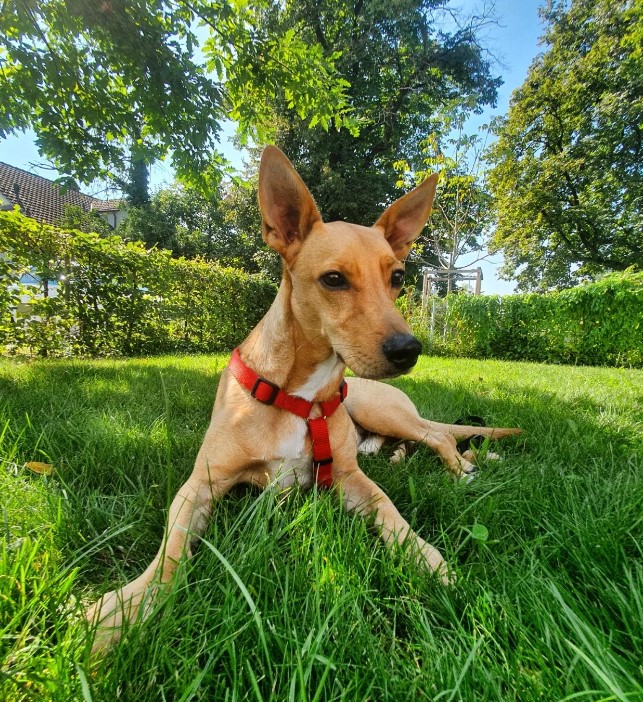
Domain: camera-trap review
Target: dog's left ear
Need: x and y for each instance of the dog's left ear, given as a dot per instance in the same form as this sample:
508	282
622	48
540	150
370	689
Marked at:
403	221
288	211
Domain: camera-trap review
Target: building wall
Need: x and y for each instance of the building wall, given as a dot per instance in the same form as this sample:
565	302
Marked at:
114	218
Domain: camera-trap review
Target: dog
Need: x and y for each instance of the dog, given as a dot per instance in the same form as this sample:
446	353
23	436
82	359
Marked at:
283	412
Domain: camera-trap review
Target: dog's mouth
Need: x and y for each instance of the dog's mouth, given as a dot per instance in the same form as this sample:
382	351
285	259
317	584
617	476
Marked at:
376	371
396	356
397	371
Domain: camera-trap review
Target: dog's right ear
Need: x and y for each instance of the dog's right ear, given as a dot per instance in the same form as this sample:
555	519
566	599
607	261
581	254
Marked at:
288	211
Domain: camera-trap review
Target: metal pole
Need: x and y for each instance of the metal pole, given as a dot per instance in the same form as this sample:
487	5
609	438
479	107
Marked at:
478	280
432	329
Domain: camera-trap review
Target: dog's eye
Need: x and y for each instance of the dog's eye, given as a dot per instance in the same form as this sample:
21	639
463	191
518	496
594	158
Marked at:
397	279
334	281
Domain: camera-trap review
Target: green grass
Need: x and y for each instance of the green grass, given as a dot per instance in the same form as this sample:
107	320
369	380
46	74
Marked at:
292	599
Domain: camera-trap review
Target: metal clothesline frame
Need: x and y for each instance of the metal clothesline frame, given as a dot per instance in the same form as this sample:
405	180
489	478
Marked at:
432	277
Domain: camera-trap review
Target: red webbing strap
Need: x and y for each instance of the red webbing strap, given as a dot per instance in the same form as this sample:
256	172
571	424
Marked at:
270	394
265	391
322	456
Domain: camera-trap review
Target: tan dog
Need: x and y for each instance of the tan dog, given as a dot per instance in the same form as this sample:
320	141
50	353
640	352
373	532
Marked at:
335	309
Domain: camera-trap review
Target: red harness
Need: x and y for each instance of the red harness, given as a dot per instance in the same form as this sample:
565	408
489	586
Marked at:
270	394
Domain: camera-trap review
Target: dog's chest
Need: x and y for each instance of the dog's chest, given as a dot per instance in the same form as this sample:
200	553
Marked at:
294	463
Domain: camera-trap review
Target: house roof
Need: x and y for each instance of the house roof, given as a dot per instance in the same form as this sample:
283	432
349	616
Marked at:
42	199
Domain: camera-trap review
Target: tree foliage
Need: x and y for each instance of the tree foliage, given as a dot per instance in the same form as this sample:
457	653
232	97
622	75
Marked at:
409	66
568	164
179	219
224	227
405	60
242	227
111	86
76	217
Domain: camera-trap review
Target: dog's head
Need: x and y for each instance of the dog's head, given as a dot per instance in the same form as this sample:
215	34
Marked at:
345	277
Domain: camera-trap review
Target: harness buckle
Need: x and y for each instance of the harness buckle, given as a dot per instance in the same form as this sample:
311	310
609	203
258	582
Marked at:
274	391
322	462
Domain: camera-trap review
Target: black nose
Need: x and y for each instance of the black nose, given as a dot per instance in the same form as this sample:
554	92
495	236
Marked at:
402	350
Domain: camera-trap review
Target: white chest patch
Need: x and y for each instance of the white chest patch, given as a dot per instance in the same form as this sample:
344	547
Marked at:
291	447
320	377
295	464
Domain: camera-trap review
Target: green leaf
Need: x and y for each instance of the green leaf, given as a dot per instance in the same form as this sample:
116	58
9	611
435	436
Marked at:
480	533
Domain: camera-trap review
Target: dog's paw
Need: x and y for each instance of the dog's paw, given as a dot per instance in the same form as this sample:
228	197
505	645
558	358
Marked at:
474	455
399	454
470	459
371	444
447	576
105	621
469	469
116	610
435	562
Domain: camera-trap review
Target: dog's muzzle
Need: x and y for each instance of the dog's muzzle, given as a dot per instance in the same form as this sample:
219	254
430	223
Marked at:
402	351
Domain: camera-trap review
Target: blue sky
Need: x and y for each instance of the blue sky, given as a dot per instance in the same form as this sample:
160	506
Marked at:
514	42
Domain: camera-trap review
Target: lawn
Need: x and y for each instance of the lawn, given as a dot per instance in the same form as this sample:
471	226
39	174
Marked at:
289	598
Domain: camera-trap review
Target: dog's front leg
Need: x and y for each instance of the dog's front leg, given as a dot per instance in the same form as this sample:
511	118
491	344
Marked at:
187	519
361	495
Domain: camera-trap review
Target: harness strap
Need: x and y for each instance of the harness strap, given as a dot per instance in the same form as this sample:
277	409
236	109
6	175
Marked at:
270	394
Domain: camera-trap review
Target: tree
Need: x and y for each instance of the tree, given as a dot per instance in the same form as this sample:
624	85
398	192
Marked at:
77	218
405	61
461	213
568	162
405	69
178	219
109	87
186	222
224	227
242	224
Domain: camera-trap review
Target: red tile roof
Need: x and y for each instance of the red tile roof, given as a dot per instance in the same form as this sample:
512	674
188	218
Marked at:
43	199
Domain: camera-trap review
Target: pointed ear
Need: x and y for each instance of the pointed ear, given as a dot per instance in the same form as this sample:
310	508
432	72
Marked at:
403	221
288	210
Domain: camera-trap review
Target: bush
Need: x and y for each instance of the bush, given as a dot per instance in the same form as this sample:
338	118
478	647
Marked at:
101	296
595	324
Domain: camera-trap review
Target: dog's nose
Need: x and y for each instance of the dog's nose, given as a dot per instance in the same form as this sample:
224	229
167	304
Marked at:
402	350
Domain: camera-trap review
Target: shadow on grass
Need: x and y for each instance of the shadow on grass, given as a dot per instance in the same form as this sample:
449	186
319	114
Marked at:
123	436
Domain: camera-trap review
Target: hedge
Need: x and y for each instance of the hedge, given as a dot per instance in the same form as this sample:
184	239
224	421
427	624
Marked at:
102	296
599	323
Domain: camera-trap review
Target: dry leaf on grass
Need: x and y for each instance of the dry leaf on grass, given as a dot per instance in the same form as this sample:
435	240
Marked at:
40	468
